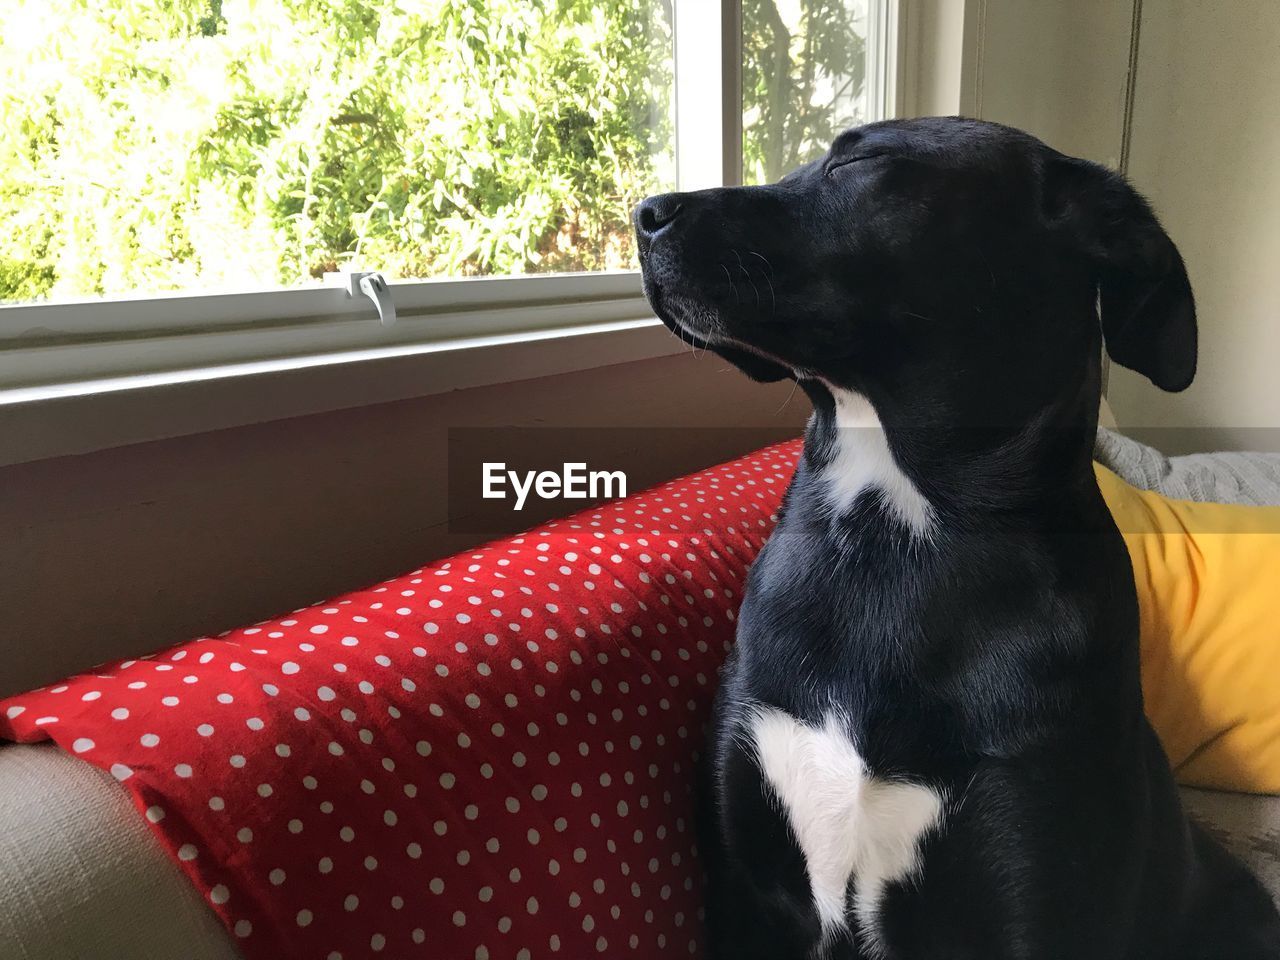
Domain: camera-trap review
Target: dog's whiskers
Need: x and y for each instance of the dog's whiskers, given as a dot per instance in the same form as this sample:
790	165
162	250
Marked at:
747	273
693	349
773	300
763	258
794	385
729	277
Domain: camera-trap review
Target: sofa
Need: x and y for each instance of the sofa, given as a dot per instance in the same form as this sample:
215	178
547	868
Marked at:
488	757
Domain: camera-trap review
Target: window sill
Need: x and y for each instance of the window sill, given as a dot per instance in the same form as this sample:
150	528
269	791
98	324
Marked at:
51	420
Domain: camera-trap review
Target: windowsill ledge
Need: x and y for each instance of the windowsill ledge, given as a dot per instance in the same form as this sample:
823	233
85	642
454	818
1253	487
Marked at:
78	417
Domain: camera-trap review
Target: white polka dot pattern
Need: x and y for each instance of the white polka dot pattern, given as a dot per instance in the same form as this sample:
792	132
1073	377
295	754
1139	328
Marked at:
488	757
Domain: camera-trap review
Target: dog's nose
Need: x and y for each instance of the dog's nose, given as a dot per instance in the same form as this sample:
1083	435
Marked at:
656	213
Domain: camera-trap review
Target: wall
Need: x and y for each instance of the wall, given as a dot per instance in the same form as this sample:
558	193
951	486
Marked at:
931	49
122	551
1205	143
1058	70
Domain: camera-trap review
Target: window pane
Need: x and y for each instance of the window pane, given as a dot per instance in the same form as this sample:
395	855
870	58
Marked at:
804	73
150	145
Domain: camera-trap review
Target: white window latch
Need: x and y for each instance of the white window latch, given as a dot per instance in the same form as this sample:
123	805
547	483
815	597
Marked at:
374	286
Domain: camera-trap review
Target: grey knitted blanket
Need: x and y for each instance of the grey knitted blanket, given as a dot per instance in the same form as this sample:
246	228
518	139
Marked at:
1228	477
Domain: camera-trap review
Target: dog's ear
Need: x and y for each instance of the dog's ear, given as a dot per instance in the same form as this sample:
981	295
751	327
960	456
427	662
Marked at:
1148	312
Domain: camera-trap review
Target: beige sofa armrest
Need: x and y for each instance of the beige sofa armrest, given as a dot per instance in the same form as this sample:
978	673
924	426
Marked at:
82	876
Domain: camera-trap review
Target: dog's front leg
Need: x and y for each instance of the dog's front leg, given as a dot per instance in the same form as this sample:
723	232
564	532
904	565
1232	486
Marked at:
758	903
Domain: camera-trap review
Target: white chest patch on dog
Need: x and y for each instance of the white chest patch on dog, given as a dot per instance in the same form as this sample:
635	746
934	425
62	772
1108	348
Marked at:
850	826
863	461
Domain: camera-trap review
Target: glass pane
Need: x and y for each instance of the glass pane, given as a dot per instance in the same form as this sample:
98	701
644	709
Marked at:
804	79
150	145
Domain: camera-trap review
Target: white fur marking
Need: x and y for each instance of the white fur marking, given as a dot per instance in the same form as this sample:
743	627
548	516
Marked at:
849	825
863	461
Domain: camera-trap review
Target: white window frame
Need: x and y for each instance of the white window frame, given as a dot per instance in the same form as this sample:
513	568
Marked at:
60	350
68	349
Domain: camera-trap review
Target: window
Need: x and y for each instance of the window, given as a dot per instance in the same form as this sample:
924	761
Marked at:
227	144
175	169
810	68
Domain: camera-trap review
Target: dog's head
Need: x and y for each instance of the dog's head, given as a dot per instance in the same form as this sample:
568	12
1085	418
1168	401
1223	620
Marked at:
933	265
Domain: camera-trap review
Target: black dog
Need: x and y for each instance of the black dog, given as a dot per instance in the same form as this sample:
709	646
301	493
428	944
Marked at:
929	742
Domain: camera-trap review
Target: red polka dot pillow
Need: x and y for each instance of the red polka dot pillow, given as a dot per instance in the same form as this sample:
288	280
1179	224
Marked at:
488	758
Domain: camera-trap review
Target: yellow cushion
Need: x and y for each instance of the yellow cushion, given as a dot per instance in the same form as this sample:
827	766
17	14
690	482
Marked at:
1208	578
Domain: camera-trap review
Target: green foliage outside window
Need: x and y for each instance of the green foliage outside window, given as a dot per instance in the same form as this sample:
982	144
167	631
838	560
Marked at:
803	71
150	145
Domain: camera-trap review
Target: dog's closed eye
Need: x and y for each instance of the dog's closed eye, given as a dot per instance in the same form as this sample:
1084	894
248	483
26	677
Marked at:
836	164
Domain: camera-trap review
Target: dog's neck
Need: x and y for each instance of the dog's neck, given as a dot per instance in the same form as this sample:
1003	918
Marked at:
905	555
925	480
859	460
